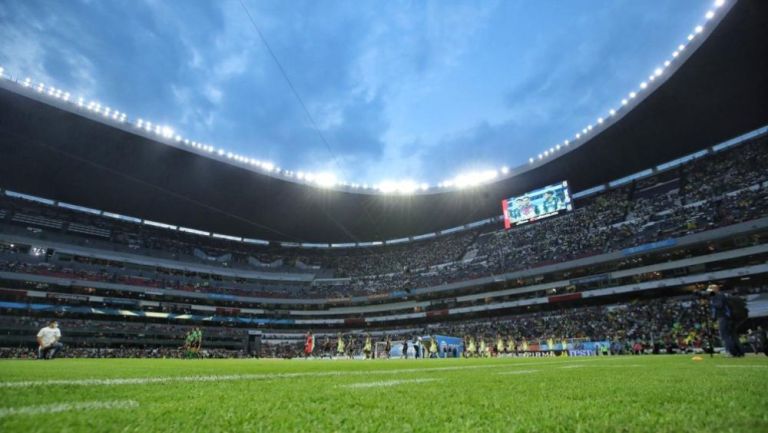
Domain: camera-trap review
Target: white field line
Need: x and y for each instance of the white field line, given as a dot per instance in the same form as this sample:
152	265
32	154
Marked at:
257	376
518	372
384	383
573	366
66	407
741	366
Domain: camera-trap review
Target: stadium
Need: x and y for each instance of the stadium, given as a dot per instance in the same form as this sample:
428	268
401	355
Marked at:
617	281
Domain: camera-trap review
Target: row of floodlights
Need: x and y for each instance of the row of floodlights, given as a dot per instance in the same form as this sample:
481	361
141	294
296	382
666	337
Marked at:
658	72
327	180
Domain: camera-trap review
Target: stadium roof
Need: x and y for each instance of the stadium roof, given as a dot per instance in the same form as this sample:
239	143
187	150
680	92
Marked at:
718	92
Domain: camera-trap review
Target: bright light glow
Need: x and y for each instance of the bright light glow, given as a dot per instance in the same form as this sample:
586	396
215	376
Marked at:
326	180
710	15
719	3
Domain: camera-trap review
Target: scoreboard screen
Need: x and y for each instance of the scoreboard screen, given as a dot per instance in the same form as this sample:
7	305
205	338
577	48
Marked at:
541	203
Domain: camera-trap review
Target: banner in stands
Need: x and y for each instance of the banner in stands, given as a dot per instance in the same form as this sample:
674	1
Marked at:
535	205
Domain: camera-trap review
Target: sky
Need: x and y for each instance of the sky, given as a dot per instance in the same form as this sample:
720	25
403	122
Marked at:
368	90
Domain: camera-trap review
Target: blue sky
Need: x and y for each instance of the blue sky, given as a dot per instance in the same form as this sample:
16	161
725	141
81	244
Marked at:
400	90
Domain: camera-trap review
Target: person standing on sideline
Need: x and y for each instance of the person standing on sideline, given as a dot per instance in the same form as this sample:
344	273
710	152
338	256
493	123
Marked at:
48	341
722	312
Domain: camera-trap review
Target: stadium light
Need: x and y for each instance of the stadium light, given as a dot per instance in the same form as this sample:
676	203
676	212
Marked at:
330	180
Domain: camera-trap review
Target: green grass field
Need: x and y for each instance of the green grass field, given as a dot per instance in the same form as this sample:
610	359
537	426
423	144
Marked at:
616	394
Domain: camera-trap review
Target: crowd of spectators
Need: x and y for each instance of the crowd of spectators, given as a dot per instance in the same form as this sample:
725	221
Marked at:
702	194
669	324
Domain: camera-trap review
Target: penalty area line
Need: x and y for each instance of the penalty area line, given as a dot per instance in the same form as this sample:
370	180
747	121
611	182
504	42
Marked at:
259	376
385	383
67	407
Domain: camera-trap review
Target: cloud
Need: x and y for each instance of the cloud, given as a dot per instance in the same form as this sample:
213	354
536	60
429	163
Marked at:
419	90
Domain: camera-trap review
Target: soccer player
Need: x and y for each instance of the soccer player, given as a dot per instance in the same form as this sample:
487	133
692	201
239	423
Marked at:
368	347
327	347
309	345
351	347
499	345
198	341
511	346
471	347
48	341
405	350
433	347
340	345
551	202
388	346
482	348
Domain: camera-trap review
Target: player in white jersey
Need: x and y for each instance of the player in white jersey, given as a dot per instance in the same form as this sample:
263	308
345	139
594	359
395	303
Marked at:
48	341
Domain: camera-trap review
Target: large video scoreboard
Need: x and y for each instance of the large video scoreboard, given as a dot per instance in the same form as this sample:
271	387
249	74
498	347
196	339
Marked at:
535	205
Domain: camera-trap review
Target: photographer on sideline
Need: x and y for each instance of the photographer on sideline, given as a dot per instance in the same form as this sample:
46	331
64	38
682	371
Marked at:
723	313
48	341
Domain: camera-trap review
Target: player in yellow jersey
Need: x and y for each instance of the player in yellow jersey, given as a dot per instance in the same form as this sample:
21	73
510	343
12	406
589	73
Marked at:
471	349
499	345
368	346
339	345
